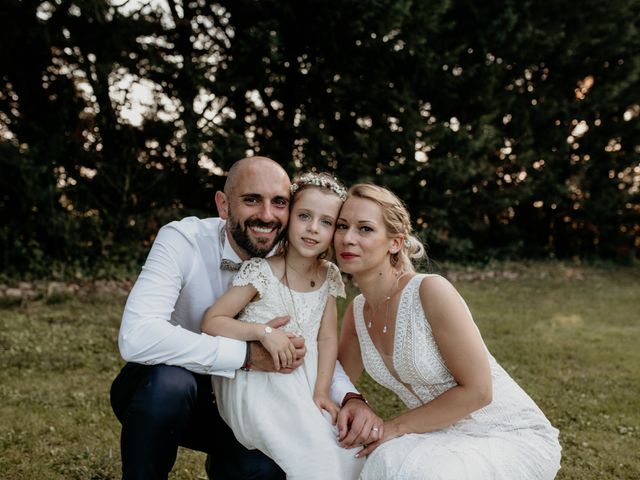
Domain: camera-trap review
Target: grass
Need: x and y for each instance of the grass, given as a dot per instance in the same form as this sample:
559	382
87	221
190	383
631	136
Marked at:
568	335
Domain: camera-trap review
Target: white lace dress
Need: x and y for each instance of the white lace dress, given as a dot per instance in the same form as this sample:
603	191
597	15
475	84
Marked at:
509	439
274	412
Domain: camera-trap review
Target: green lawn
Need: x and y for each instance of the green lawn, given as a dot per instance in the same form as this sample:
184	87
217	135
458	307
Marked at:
569	335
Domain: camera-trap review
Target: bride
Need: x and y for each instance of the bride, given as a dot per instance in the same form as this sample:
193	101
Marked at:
466	418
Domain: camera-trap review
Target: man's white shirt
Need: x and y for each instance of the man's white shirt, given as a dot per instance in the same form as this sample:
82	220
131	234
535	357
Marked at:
180	279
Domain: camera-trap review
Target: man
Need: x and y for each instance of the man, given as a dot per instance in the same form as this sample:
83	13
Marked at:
163	395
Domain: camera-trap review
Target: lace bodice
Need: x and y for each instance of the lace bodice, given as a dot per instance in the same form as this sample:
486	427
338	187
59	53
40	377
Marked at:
276	299
422	373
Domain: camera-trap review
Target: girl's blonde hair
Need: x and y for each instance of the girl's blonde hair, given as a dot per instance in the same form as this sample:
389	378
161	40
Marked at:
397	222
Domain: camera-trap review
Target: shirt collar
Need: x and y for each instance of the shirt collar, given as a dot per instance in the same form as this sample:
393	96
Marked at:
228	253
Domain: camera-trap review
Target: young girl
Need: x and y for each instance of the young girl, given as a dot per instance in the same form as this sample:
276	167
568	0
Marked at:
282	414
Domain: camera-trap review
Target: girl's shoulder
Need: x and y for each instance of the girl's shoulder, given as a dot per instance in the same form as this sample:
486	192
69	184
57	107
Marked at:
333	278
252	270
276	264
327	269
328	265
252	265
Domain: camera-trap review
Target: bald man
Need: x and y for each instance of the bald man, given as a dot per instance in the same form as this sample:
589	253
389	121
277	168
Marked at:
163	395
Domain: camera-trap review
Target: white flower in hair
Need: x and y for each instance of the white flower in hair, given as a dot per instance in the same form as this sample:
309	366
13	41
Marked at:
322	181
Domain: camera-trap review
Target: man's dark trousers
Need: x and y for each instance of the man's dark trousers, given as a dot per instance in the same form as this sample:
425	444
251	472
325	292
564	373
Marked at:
162	407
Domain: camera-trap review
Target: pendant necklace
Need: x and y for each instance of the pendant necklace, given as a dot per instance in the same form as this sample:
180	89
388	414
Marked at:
387	300
312	282
285	281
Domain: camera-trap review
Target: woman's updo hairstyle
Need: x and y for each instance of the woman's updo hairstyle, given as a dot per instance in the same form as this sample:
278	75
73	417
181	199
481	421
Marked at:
397	222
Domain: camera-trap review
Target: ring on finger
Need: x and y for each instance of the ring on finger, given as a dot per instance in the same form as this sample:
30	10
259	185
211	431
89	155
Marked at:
375	429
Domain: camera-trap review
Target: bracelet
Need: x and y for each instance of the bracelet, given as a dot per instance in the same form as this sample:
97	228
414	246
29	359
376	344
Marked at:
246	366
352	396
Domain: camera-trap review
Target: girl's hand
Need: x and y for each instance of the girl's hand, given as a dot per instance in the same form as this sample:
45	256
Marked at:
386	432
280	347
323	402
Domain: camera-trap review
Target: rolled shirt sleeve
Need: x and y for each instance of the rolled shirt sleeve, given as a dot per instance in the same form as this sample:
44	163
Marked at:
341	385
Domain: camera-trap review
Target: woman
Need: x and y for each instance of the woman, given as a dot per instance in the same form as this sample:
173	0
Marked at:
414	334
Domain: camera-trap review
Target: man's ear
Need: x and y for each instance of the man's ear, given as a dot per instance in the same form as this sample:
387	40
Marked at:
222	205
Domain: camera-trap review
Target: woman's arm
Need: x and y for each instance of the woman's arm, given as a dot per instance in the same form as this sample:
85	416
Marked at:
464	353
327	356
218	320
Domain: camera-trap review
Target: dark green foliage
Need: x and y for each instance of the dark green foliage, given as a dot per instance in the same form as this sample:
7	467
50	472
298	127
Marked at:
524	117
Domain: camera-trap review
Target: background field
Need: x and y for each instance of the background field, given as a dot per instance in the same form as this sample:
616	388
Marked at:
569	335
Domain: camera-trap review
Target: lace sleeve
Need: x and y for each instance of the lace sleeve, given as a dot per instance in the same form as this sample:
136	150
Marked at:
254	271
334	279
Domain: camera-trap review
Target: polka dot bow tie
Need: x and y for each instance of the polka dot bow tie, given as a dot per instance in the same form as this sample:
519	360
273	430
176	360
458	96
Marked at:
229	265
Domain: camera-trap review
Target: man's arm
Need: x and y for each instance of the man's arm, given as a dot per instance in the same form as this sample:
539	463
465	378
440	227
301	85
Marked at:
349	356
146	334
357	423
341	385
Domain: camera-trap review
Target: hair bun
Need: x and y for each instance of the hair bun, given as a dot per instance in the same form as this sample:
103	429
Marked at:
414	247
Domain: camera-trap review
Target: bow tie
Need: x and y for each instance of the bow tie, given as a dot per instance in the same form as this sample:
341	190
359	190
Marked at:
229	265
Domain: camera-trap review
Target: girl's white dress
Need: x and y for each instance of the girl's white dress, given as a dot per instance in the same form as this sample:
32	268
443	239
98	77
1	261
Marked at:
275	412
509	439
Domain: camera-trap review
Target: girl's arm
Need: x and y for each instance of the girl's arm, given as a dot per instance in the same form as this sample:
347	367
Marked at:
349	351
218	320
465	355
327	356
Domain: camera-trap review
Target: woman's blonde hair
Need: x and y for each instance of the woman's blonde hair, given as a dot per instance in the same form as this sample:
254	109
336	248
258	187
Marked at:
397	222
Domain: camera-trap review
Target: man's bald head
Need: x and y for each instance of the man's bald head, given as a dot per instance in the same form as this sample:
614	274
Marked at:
250	165
255	204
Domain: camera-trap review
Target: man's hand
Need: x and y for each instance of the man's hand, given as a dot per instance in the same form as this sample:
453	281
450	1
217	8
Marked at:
358	425
262	360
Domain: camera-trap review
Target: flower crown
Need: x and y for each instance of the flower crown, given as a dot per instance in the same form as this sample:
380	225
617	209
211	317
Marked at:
319	180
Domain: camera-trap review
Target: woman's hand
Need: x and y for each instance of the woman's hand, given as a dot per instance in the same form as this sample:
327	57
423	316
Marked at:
379	435
324	402
278	344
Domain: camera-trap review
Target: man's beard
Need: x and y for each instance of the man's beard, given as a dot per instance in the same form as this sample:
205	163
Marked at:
240	234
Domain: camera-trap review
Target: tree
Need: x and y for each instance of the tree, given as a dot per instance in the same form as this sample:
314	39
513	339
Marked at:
509	128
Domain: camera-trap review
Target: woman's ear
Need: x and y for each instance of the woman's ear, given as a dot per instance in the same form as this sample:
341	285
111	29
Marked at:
395	244
222	205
